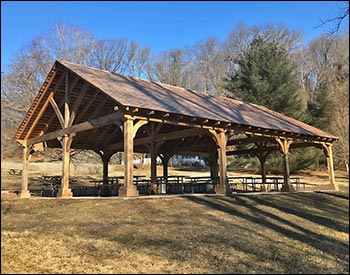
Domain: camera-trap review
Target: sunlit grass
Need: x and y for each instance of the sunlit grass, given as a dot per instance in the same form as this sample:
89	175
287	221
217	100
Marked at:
292	233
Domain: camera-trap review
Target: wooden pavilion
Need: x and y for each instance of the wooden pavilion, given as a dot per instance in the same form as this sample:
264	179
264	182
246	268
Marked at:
80	107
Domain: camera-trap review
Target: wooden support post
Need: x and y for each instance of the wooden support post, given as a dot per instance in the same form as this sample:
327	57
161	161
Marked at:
223	189
154	146
284	147
221	140
213	163
24	186
165	161
165	170
263	175
106	189
327	149
262	158
153	164
65	191
105	170
129	189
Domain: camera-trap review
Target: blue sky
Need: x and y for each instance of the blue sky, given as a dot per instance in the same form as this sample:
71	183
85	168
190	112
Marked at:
158	25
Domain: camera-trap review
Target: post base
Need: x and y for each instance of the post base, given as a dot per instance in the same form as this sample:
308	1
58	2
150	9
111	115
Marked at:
24	194
153	189
106	191
65	194
334	186
222	190
330	186
263	188
287	188
129	191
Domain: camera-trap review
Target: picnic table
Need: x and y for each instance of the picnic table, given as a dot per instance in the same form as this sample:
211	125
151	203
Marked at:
15	172
116	180
255	183
54	184
179	184
204	184
112	184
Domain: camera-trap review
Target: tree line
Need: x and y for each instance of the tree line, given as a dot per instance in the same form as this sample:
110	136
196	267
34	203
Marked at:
270	65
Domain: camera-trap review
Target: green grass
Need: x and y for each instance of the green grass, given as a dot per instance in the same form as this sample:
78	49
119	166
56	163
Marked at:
286	233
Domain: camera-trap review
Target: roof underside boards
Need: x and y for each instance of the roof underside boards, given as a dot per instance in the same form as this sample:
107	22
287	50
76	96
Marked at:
107	90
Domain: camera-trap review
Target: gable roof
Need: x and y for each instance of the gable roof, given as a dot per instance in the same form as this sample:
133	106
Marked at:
143	94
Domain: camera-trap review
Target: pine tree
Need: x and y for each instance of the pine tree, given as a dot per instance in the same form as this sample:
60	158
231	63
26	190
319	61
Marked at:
319	108
264	75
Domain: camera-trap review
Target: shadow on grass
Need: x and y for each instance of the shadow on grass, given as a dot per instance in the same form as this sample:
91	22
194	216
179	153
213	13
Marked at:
192	237
337	194
321	242
329	222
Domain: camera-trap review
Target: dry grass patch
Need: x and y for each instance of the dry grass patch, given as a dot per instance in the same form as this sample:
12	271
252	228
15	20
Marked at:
294	233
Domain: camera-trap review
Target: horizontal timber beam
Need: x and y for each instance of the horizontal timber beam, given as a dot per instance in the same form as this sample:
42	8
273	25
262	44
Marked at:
253	151
249	140
84	126
162	137
294	136
179	123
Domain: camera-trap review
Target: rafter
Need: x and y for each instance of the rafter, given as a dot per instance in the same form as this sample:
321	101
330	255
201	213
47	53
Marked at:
77	103
81	115
44	88
37	119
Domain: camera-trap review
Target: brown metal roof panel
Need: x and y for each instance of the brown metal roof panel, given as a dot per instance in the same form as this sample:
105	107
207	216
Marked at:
130	91
145	94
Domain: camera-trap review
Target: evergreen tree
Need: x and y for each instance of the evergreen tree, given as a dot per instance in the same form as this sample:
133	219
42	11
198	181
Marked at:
319	108
264	75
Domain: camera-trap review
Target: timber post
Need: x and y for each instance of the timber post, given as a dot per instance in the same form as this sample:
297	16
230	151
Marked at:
65	191
153	147
213	163
105	157
153	154
262	158
24	194
284	147
129	189
327	149
165	162
221	141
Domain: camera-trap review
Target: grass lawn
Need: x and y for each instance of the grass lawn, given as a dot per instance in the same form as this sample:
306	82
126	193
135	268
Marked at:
281	233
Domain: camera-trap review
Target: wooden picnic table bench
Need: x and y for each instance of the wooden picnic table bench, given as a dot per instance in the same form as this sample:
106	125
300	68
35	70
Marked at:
15	172
54	184
274	183
171	179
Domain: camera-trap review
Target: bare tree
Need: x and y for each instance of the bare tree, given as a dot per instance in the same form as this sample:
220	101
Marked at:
131	58
336	21
28	69
324	66
169	66
137	60
69	43
109	55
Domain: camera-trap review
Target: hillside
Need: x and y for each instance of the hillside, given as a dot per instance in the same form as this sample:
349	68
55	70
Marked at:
281	233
